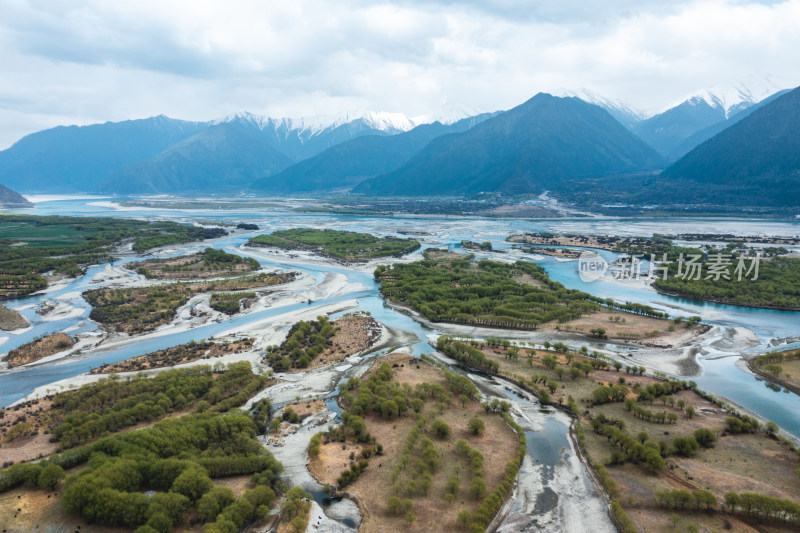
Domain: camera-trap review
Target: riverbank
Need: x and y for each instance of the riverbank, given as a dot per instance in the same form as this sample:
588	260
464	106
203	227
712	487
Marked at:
689	296
553	492
676	360
738	461
771	378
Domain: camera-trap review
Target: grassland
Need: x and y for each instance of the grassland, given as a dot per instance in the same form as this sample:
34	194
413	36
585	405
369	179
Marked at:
35	245
11	320
142	309
345	246
176	355
209	263
649	439
39	349
406	452
205	470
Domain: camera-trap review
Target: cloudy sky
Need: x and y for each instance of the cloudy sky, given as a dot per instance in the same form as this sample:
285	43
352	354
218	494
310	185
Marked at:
86	61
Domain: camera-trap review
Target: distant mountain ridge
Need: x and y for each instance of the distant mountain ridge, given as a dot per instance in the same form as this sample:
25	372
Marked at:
221	158
674	131
12	199
78	158
581	144
527	149
625	114
756	161
350	162
104	157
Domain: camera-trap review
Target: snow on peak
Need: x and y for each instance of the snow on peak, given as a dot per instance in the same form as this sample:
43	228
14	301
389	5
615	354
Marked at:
735	95
312	125
599	100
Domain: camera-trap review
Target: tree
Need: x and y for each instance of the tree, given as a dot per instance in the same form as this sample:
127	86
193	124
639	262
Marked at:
192	483
771	428
705	437
290	415
314	445
690	412
50	476
477	488
655	463
464	518
686	446
642	436
298	524
213	502
476	426
441	429
395	505
560	371
410	518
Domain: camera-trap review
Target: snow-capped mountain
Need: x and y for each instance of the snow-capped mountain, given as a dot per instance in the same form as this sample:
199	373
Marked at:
385	122
624	113
734	95
695	118
310	126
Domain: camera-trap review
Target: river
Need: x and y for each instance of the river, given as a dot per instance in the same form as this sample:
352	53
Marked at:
719	374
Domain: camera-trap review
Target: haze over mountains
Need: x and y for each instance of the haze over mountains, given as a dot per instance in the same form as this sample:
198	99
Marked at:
547	143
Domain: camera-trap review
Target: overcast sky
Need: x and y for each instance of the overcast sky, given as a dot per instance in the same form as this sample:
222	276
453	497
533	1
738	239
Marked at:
86	61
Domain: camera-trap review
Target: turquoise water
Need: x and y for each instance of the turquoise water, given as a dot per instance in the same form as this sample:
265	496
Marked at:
719	376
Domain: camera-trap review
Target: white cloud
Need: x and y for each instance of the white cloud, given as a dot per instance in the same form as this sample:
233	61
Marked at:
69	62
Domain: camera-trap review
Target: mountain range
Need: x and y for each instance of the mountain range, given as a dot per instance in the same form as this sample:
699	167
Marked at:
756	161
161	154
527	149
572	143
347	164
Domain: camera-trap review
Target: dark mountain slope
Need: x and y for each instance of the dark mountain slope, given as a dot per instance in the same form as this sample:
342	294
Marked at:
705	134
667	131
528	149
350	162
11	199
754	162
223	158
79	158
